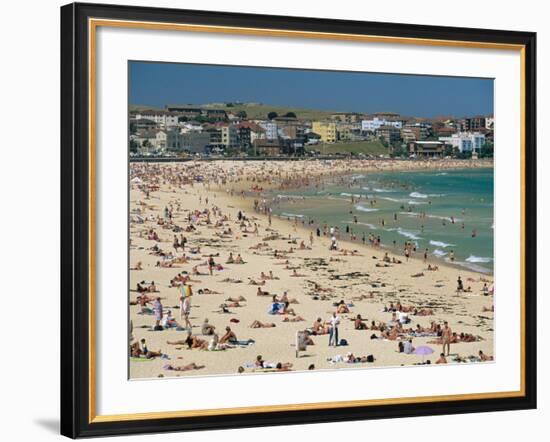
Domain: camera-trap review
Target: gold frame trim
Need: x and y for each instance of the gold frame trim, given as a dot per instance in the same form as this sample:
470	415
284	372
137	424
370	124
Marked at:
93	24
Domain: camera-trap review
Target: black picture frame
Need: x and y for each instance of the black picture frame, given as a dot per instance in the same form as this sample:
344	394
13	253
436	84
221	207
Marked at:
75	220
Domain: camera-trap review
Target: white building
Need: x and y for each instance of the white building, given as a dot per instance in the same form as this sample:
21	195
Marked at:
376	123
465	141
167	139
230	136
270	128
163	118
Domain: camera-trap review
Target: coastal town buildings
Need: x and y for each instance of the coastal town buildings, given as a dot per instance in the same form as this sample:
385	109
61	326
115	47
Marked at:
163	118
270	129
465	141
389	133
224	129
426	149
376	123
326	130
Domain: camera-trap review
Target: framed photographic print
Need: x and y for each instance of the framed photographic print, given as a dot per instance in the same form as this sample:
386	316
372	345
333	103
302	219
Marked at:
280	220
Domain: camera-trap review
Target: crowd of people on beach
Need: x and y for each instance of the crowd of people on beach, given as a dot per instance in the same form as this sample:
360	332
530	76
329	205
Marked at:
179	241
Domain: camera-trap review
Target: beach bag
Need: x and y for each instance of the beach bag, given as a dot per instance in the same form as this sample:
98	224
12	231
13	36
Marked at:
370	358
343	342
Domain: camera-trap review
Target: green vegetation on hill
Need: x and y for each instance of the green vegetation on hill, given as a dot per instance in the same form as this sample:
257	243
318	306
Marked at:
254	111
352	147
142	107
259	111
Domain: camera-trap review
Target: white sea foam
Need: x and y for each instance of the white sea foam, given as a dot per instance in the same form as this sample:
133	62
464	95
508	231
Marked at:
424	196
407	233
291	215
395	200
369	225
438	252
418	195
472	266
442	173
365	209
352	194
440	243
415	203
379	189
481	259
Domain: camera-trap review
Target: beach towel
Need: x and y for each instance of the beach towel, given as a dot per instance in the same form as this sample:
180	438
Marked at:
275	307
133	359
243	343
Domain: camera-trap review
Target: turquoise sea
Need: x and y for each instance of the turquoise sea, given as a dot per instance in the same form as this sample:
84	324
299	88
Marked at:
443	211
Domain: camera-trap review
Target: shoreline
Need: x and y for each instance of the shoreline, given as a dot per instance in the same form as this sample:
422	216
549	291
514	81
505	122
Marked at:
251	196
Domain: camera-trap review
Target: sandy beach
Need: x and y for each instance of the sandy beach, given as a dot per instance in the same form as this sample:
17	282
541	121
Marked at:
201	202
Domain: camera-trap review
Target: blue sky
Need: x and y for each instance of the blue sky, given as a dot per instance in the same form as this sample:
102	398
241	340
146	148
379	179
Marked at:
157	84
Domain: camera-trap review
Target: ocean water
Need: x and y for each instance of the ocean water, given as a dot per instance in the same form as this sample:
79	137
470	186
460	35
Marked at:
442	211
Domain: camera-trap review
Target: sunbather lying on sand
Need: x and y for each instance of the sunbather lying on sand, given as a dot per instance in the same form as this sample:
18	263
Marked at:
191	341
164	264
484	358
233	280
138	266
294	319
423	312
259	324
142	287
233	304
191	366
207	291
137	351
261	292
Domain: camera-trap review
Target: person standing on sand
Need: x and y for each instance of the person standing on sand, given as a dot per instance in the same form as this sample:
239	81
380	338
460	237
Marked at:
311	239
426	255
211	264
333	330
446	337
157	309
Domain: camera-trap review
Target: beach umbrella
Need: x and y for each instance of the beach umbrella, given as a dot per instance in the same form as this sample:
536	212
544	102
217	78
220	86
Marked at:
423	350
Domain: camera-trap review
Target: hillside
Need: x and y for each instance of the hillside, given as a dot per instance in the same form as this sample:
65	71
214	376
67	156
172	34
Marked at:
253	110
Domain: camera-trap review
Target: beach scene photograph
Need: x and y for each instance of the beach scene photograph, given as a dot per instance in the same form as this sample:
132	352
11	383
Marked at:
286	220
